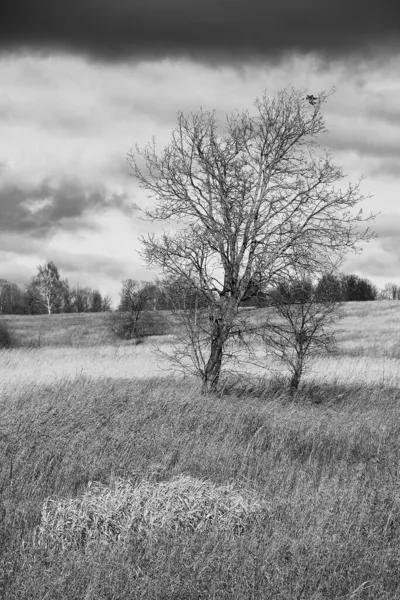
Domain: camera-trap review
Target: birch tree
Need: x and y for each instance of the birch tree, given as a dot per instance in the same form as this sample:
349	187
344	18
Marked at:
246	201
49	286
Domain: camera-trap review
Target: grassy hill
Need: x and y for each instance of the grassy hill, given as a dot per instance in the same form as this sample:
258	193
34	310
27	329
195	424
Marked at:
119	481
60	329
77	329
361	320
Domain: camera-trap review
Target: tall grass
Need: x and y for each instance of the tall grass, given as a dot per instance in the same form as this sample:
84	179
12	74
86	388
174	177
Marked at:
83	446
77	329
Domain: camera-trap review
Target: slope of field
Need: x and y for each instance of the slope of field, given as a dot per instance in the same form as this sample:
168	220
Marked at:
364	324
75	329
118	481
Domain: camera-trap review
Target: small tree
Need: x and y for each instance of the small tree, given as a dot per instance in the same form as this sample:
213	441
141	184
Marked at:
299	325
6	336
96	301
11	298
256	200
391	291
81	299
135	297
106	304
49	286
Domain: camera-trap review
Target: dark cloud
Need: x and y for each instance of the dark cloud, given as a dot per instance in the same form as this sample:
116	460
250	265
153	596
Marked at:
42	209
205	29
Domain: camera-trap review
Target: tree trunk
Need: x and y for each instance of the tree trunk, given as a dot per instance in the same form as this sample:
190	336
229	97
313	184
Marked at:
296	376
218	337
135	324
212	370
222	316
294	382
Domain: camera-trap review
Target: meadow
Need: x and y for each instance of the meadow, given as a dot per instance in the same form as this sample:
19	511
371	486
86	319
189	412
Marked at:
120	481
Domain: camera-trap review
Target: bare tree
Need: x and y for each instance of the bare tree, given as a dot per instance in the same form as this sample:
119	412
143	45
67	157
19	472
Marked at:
80	299
135	297
96	301
106	304
298	325
248	203
391	291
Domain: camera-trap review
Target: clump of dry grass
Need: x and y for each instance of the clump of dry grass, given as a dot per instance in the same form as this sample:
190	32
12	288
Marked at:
105	514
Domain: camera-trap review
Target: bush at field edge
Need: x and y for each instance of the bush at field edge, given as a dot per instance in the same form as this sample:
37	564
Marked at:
6	336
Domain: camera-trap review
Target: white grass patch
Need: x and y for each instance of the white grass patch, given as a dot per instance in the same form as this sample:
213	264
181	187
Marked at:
109	514
21	368
47	365
357	371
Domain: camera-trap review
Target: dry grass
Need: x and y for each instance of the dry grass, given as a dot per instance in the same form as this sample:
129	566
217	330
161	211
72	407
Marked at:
249	495
77	329
22	367
371	331
105	514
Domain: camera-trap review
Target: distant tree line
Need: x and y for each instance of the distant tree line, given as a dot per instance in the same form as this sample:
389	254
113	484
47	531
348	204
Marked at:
391	291
137	296
340	287
140	299
47	293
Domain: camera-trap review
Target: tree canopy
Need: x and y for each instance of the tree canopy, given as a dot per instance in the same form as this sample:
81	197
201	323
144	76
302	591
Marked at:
253	200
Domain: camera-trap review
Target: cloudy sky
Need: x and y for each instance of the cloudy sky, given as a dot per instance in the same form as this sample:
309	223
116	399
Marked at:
83	81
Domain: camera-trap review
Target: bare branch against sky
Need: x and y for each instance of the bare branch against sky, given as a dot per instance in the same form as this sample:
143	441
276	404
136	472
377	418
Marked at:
203	29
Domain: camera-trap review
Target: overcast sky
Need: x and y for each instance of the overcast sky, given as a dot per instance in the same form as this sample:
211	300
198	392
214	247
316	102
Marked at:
83	81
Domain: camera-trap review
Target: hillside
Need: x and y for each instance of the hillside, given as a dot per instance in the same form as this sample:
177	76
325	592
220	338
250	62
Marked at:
77	329
377	324
119	481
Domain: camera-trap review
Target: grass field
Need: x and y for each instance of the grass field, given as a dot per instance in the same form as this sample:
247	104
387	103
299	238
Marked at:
118	481
77	329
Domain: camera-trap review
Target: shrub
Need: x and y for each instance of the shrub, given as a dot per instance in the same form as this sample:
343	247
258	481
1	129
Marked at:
6	336
150	323
153	323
